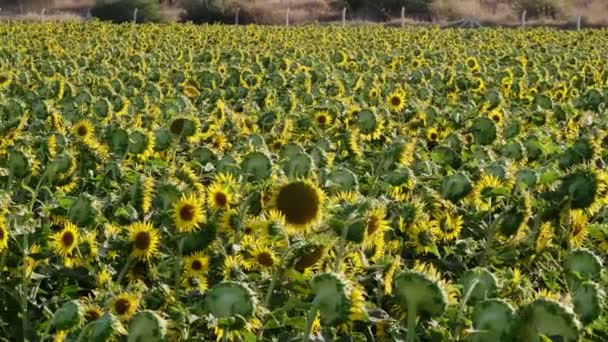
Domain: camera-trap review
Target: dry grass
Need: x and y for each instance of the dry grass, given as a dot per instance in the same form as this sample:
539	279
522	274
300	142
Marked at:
275	11
59	16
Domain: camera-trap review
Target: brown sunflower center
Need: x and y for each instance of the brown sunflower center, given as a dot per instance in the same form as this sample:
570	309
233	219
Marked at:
67	239
309	258
196	265
122	306
322	119
1	234
395	101
220	199
186	213
82	130
142	240
265	259
372	225
3	79
298	202
433	136
496	118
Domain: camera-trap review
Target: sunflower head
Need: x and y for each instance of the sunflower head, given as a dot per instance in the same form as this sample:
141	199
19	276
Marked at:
145	240
323	119
83	130
66	240
196	265
124	305
188	213
300	202
396	101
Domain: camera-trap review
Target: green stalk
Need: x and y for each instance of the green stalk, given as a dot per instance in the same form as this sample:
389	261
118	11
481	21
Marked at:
463	306
341	249
124	270
178	264
312	314
411	321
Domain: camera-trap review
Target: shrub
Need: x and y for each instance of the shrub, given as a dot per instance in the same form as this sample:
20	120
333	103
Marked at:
209	11
538	8
120	11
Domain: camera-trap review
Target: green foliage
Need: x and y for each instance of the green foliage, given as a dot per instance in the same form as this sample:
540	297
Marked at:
121	11
209	11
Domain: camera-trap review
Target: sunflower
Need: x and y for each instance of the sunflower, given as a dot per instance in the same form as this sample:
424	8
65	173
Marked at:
472	64
64	241
5	79
396	101
145	240
3	233
448	227
422	238
188	213
124	305
196	265
219	196
191	92
578	227
92	312
599	236
432	135
323	119
232	266
544	239
83	129
376	222
262	257
496	116
300	202
481	195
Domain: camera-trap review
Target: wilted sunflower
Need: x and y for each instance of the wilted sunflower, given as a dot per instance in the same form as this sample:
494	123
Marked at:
124	305
300	202
144	238
92	312
578	227
65	240
196	265
188	213
448	227
83	129
422	238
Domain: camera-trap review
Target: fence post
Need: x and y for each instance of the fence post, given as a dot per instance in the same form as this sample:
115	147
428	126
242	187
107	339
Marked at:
578	22
135	15
523	18
236	16
344	16
287	16
42	14
402	16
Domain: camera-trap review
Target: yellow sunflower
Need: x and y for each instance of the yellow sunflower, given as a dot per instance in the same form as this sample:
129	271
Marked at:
125	305
448	228
83	129
578	227
188	213
92	312
196	265
144	238
396	101
219	196
64	241
323	119
432	135
5	79
262	257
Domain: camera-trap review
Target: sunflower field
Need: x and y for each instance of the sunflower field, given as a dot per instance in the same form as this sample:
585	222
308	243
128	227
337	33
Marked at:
244	183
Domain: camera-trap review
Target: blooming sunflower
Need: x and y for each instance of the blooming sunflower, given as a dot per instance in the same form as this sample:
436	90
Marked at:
188	213
64	241
396	101
5	79
219	196
196	265
422	238
300	202
262	257
323	119
92	312
448	227
144	238
578	227
83	129
124	305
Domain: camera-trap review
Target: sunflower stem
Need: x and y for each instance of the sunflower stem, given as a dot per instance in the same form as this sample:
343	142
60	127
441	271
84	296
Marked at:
312	314
463	306
341	249
178	264
411	321
24	284
123	272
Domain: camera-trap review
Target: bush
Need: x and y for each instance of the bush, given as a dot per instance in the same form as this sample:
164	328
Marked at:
538	8
385	9
120	11
209	11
